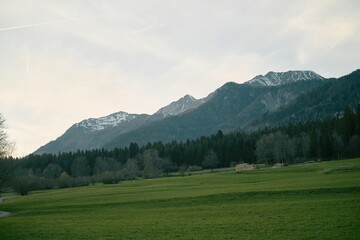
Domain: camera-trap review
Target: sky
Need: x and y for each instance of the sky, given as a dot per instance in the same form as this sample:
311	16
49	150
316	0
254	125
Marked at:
65	61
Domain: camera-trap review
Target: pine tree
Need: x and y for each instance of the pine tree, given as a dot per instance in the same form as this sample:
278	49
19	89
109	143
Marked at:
357	120
348	124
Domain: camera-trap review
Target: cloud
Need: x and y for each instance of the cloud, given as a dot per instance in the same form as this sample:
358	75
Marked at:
97	58
318	31
44	23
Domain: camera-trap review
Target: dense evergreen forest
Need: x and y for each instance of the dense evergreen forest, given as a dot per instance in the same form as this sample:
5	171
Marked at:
334	138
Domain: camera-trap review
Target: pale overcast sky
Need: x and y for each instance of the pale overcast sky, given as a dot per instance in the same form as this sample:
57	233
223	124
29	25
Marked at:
65	61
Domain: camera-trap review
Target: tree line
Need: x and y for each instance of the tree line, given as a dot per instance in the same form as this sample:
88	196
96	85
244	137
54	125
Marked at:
333	138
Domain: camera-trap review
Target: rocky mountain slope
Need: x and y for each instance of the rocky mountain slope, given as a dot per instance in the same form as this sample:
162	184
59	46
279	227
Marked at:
280	78
327	100
180	106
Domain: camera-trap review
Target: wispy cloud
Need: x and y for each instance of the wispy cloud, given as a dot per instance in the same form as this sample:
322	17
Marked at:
45	23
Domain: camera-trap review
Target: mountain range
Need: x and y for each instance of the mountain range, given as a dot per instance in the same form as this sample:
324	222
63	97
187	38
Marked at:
265	101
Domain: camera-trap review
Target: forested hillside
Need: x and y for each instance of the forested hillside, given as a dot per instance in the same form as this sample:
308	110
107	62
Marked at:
231	107
334	138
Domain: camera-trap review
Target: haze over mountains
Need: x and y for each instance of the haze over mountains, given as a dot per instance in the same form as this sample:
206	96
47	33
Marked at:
269	100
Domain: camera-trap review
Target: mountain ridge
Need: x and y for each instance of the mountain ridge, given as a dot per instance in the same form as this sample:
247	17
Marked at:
231	107
227	111
279	78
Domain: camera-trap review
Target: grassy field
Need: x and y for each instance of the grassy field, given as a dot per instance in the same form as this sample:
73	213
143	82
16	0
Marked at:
318	201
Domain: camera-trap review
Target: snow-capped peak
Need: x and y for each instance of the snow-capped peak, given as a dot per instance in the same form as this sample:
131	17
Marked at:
112	120
182	105
279	78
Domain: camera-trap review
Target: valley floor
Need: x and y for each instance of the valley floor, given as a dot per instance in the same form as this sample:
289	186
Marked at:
317	201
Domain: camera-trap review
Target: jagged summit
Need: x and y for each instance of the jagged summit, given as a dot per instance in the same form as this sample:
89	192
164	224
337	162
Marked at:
280	78
175	108
182	105
112	120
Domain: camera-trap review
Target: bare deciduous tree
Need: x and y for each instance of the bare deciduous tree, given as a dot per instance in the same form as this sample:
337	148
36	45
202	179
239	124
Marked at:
23	181
275	148
284	149
7	165
152	163
265	149
131	169
211	160
6	147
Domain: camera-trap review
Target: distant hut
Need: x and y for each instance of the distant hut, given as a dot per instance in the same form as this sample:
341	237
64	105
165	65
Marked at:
277	165
308	162
244	167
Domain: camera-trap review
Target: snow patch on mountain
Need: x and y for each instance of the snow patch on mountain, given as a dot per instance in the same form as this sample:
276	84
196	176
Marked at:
280	78
175	108
112	120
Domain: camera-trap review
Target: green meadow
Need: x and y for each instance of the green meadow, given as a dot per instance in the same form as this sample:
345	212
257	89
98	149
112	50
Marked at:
317	201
